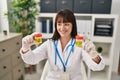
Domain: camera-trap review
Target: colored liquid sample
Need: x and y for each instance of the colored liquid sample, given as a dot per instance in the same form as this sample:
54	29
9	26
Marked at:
79	40
38	38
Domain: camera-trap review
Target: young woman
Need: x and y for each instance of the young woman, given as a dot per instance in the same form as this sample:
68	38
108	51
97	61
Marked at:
63	56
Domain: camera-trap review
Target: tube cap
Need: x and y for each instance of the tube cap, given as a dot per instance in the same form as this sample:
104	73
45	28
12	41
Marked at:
38	35
78	37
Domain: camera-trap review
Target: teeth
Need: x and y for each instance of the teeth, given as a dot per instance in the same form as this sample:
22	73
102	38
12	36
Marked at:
63	32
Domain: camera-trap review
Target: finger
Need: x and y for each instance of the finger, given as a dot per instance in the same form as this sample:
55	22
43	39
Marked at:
90	46
23	41
27	39
87	45
31	39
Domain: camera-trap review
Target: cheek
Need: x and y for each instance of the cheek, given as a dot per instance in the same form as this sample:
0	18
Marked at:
70	29
58	28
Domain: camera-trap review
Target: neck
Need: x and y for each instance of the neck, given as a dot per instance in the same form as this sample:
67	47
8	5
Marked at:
64	42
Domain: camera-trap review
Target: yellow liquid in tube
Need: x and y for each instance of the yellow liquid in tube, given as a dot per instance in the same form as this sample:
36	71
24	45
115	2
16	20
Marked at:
38	38
79	41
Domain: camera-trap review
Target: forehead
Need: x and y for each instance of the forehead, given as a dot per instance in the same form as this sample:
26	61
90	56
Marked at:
61	19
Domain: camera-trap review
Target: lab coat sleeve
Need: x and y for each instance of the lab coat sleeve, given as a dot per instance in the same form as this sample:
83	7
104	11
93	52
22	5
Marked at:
35	56
91	64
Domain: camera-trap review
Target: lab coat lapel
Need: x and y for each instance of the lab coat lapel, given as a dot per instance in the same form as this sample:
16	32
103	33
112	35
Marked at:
59	47
66	53
60	53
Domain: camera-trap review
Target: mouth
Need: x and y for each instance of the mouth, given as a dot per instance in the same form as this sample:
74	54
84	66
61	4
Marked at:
63	32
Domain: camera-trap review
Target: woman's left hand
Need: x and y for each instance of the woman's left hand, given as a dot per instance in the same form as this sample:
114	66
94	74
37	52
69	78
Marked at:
90	48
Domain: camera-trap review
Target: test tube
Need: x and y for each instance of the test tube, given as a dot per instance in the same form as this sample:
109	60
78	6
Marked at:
79	40
38	38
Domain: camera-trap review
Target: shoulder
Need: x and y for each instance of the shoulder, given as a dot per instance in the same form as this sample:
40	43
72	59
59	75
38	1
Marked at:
49	41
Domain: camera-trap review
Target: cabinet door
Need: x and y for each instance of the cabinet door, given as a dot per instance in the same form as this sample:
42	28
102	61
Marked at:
9	46
18	72
48	5
5	48
16	58
101	6
8	76
64	4
82	6
5	66
17	43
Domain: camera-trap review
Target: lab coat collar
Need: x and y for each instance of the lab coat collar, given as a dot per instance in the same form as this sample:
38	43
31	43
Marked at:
59	46
66	51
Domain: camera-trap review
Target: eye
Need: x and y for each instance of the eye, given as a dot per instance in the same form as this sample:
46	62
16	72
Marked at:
59	24
67	24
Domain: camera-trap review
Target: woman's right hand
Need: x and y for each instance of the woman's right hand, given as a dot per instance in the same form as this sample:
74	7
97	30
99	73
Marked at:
27	41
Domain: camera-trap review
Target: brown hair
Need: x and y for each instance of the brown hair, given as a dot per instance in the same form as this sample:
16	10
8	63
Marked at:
67	16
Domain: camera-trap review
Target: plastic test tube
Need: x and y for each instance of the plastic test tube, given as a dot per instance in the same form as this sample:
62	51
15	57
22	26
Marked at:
79	40
38	38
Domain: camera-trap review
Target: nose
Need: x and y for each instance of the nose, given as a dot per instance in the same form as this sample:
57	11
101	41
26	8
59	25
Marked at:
62	27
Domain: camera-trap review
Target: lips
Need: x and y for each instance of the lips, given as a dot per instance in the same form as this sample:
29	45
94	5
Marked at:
63	32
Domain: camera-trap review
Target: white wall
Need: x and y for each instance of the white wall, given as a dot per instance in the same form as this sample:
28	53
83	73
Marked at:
0	15
3	19
116	10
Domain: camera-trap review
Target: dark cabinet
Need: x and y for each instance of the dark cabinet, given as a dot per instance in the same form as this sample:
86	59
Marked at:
101	6
68	4
77	6
48	6
82	6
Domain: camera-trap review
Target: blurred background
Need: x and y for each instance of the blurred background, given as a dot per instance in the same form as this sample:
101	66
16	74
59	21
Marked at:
99	20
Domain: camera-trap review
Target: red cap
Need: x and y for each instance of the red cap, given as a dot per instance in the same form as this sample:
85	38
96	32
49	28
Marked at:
78	37
38	35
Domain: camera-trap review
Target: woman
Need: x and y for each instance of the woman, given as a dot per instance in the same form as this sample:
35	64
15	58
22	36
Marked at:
63	56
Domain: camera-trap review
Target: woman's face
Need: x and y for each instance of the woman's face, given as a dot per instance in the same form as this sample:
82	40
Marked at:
64	28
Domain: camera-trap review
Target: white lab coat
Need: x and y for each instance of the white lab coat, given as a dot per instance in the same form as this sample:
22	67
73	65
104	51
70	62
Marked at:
47	51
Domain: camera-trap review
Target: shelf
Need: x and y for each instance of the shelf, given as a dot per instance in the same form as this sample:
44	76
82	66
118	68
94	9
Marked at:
102	39
100	75
107	60
79	14
9	36
106	51
46	14
104	16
